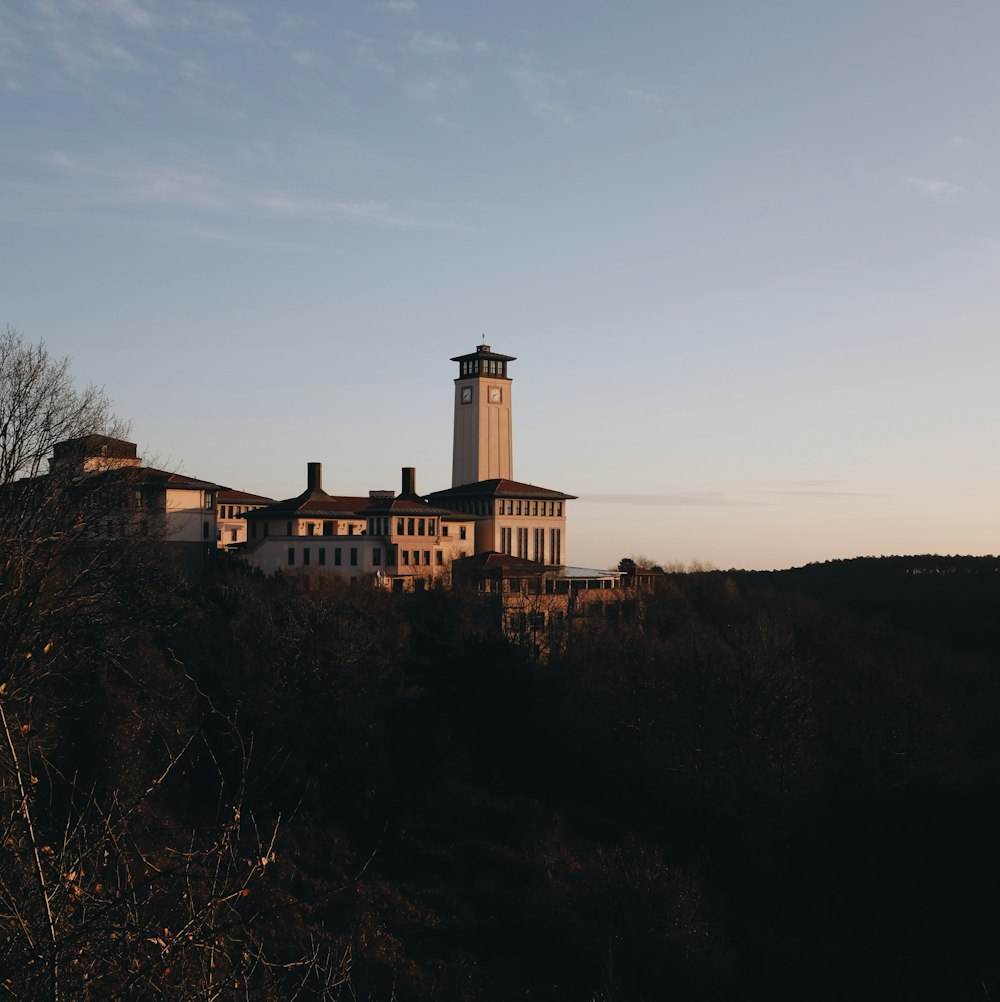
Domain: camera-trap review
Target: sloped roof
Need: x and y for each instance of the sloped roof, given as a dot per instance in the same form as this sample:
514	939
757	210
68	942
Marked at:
411	504
230	496
501	488
316	503
499	565
173	480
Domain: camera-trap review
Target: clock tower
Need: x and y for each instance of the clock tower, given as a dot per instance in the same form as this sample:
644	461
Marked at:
482	445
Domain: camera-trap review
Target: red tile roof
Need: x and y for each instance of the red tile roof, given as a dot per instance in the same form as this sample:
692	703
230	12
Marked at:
174	480
499	564
316	503
231	496
500	487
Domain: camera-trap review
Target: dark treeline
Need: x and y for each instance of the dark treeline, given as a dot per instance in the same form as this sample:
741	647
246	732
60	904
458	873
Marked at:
755	787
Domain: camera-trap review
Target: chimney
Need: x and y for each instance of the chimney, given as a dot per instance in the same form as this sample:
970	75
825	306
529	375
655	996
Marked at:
409	480
314	478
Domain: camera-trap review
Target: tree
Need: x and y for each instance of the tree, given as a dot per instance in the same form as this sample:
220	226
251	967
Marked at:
49	584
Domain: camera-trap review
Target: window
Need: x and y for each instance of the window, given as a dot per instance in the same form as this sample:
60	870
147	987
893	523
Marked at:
218	535
328	528
522	543
305	555
336	556
350	530
444	530
232	535
540	545
291	555
534	507
439	558
505	540
409	527
430	527
559	508
420	527
321	554
399	527
427	557
416	558
517	510
310	529
209	500
376	557
555	545
354	556
406	556
461	532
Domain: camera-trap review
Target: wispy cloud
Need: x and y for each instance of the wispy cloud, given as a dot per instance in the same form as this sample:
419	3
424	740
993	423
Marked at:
537	88
147	184
641	95
937	188
693	499
818	489
207	195
128	11
433	88
433	43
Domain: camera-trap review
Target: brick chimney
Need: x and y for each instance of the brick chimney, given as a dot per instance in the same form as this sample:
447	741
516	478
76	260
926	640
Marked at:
409	480
314	477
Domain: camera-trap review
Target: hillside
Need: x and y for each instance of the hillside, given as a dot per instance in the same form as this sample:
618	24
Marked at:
759	787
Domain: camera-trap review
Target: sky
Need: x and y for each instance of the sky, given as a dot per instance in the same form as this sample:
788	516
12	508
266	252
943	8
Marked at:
746	254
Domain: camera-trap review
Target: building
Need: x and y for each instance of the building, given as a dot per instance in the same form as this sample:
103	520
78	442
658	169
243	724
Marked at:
231	527
502	538
410	541
400	539
135	497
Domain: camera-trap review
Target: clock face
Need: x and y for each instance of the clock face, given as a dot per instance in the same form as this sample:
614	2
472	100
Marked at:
466	394
495	394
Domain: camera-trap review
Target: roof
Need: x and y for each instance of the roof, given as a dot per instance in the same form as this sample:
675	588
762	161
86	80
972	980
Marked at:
96	446
410	504
230	496
499	565
315	502
176	481
501	488
483	351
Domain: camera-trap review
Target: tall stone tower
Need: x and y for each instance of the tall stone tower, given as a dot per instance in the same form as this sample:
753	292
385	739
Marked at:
482	448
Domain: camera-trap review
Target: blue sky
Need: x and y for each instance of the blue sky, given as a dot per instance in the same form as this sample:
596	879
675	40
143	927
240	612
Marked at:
747	255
